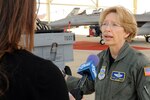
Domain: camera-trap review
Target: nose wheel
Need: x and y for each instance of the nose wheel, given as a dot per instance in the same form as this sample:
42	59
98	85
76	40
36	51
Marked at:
102	42
147	38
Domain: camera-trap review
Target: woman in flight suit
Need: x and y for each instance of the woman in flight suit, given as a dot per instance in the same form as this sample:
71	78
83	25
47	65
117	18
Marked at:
123	72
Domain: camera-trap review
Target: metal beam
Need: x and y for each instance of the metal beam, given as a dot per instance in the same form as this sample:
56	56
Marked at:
71	4
48	9
134	6
96	3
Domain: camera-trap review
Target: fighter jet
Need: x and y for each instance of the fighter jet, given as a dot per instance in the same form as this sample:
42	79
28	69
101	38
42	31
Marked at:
143	22
75	19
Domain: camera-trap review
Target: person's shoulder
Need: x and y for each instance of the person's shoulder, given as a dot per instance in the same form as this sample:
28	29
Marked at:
100	54
137	54
26	54
139	57
29	58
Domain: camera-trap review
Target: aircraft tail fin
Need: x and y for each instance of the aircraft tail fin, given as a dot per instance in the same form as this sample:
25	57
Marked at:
73	12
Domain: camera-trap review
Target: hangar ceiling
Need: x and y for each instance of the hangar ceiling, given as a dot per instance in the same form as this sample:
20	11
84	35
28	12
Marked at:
95	4
91	3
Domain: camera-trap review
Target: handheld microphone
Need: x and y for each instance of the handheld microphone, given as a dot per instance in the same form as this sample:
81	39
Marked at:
88	70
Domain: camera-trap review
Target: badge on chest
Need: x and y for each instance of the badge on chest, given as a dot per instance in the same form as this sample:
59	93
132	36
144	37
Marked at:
102	72
118	76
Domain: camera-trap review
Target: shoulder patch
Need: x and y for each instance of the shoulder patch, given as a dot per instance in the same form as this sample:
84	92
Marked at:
147	71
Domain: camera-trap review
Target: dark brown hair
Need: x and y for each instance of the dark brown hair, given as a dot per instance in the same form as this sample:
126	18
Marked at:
17	21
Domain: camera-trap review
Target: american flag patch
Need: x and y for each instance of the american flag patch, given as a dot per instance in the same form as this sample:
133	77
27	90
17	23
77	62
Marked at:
147	71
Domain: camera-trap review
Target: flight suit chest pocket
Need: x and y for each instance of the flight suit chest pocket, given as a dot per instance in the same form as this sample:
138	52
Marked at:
120	89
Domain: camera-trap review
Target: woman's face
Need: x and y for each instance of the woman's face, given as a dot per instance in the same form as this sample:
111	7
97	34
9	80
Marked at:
112	32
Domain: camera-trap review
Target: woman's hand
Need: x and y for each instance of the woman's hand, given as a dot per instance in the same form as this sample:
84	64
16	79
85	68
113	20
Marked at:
71	96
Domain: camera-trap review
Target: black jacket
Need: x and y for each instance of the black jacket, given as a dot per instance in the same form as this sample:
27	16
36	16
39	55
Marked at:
33	78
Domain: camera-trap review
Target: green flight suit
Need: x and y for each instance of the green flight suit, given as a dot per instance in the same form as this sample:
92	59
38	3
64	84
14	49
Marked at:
125	80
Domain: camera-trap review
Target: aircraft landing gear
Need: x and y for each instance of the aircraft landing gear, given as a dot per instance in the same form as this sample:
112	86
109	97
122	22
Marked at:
147	39
101	42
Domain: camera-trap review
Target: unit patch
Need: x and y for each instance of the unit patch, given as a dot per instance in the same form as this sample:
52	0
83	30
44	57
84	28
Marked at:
147	71
117	76
101	74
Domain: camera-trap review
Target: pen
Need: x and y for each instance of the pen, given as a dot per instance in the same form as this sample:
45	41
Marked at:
146	90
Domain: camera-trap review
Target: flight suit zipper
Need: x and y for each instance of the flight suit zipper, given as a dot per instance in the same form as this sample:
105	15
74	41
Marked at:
108	82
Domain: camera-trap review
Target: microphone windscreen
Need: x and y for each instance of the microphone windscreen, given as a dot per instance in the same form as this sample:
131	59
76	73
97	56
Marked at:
93	58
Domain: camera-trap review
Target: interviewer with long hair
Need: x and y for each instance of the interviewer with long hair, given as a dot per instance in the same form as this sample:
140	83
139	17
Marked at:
24	76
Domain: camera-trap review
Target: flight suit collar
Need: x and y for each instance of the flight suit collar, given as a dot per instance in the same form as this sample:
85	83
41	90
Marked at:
122	53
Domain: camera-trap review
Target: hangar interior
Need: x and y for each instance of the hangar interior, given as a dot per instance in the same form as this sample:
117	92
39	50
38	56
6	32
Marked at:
48	7
51	10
